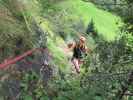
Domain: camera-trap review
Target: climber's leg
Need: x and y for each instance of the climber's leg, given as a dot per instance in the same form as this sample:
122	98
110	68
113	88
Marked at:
76	64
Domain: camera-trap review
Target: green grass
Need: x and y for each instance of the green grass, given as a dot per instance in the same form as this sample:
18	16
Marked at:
105	22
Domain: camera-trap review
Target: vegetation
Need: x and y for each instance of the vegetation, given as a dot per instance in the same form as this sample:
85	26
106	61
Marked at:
77	14
107	72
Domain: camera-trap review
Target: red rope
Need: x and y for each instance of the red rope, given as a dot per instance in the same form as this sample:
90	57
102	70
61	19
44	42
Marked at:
18	58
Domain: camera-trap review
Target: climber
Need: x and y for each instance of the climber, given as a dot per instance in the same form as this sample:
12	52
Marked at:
79	51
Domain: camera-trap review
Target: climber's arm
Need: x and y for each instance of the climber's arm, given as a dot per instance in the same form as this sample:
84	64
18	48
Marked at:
88	50
71	46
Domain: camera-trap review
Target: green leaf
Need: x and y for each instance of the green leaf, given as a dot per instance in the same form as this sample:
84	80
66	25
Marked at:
44	98
28	97
98	98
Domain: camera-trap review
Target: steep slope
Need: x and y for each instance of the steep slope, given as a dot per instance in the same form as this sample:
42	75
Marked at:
105	22
71	17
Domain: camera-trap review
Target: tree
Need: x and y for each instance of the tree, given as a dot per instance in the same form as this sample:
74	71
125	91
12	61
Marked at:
91	30
109	69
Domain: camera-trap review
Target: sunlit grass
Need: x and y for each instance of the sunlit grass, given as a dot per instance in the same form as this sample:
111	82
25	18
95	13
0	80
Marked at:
105	22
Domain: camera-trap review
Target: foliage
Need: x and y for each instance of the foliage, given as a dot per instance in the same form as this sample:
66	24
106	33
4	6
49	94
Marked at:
13	30
47	6
108	67
91	29
32	87
75	15
123	8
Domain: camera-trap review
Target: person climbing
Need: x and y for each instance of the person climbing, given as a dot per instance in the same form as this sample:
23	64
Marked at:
79	51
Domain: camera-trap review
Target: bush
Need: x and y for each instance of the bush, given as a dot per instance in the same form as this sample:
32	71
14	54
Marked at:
108	67
91	30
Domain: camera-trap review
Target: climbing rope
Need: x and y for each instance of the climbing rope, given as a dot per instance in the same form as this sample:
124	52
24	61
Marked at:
20	57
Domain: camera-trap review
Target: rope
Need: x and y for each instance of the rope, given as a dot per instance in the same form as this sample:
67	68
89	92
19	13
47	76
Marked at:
20	57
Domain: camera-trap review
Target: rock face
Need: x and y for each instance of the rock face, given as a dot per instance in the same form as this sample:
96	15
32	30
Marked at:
12	77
